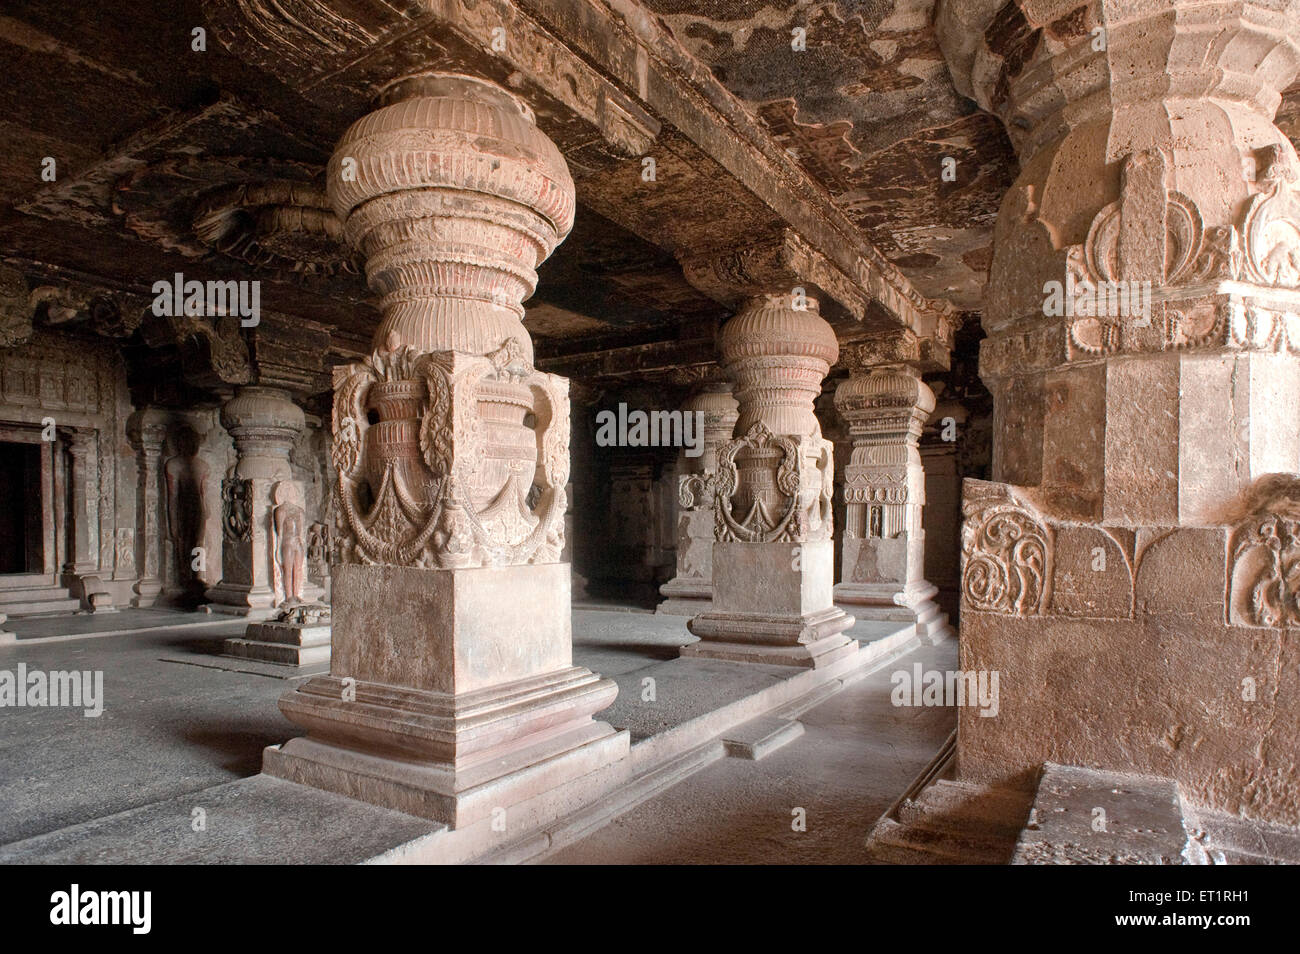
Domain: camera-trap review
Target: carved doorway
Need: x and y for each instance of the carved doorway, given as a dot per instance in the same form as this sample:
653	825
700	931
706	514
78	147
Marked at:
20	508
27	507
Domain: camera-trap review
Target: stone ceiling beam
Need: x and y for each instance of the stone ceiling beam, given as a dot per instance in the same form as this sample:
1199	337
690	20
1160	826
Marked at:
608	84
639	360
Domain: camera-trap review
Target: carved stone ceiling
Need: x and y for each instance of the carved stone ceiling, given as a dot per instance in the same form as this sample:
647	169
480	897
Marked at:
159	148
869	110
152	138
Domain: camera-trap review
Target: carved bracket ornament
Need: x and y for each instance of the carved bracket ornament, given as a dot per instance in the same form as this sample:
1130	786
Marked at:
780	486
465	467
1006	558
1263	249
1264	558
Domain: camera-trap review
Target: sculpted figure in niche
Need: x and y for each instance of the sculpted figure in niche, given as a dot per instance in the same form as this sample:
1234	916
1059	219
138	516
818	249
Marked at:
185	474
288	546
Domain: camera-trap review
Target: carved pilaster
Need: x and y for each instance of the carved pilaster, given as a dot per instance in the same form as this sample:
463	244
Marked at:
147	432
84	514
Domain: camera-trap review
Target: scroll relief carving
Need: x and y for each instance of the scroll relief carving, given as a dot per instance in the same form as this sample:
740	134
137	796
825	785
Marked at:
767	488
465	466
1006	557
1264	561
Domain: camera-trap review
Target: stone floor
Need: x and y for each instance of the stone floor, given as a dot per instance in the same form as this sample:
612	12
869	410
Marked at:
180	720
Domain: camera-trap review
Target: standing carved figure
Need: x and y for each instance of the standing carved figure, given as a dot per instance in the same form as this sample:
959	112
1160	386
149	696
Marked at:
288	526
185	474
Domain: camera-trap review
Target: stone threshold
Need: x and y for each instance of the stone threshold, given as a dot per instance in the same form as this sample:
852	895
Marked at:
743	712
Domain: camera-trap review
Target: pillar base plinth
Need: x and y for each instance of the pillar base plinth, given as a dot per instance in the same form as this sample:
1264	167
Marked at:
286	644
892	603
451	693
684	596
236	600
453	759
811	641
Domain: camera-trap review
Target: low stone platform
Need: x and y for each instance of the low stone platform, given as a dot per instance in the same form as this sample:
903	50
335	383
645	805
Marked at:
65	627
288	644
1084	816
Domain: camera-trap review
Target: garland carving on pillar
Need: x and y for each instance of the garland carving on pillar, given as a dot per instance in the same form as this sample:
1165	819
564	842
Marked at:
1006	557
485	489
796	508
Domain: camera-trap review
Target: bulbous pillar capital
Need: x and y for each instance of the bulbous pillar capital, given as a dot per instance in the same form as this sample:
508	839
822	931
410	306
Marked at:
454	197
264	424
720	409
777	351
889	402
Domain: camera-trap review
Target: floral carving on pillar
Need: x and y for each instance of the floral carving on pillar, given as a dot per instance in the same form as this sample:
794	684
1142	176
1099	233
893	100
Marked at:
1264	556
451	448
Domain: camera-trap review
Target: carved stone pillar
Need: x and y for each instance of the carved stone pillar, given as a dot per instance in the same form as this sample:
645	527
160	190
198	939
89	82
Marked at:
83	513
773	559
691	591
1143	350
264	424
452	690
883	571
147	432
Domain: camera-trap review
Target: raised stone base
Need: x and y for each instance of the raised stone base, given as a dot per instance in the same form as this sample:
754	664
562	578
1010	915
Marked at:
809	641
237	600
684	596
772	604
451	693
457	797
886	603
289	644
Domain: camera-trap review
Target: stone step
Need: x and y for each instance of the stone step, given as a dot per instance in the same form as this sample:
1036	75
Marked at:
41	607
1004	809
1218	838
973	817
759	738
941	844
1088	816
